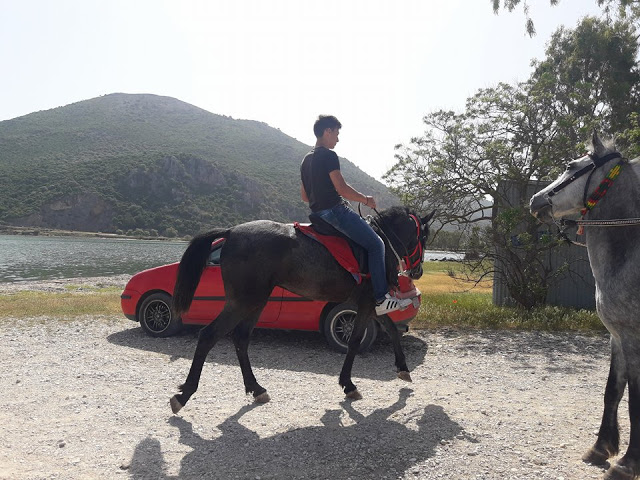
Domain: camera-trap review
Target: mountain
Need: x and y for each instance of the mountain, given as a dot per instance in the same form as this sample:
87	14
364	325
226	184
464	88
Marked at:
125	162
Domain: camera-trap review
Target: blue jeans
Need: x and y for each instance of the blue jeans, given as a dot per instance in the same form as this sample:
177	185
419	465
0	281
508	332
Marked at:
342	218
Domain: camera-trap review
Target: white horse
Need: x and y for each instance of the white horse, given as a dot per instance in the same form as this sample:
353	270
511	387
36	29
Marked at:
612	232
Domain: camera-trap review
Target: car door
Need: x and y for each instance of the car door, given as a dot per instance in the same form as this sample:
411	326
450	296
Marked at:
299	313
209	298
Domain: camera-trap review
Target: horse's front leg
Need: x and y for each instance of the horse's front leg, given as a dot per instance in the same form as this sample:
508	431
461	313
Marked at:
394	335
607	444
628	467
241	335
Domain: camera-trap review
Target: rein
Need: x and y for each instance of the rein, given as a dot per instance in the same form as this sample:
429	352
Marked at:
563	224
409	265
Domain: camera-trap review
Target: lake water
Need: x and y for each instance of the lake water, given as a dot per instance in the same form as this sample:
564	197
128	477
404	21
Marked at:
438	255
48	258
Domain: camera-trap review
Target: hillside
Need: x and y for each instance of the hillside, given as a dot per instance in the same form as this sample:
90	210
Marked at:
124	162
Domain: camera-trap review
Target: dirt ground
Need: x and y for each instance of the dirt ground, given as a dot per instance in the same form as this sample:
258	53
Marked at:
89	399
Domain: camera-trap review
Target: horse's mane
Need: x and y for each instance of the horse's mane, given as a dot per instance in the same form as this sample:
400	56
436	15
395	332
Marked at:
392	214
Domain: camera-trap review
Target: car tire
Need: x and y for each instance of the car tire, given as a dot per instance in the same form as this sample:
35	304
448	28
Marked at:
156	316
338	325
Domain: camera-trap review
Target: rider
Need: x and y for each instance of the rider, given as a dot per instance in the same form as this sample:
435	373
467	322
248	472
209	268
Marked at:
324	188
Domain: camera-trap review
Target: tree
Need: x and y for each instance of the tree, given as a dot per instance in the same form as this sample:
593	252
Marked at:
499	143
512	135
624	8
631	136
592	73
170	232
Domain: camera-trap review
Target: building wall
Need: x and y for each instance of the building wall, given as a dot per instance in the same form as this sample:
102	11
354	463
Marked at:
575	287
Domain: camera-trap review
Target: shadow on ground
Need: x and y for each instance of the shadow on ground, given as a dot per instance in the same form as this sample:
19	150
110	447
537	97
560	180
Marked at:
373	447
585	349
285	350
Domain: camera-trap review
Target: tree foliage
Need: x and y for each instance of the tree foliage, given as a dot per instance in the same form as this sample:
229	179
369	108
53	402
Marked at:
592	76
510	136
623	8
499	143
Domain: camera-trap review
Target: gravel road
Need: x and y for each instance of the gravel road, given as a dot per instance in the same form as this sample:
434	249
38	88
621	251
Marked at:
88	399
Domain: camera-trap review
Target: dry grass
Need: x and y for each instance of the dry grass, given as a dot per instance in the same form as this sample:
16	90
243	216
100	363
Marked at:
437	280
103	301
446	302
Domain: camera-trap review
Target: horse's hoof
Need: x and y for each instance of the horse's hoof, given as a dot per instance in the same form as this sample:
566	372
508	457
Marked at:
406	376
619	472
354	395
595	457
176	406
262	398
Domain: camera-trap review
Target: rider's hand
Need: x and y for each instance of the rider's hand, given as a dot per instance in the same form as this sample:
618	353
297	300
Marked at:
370	202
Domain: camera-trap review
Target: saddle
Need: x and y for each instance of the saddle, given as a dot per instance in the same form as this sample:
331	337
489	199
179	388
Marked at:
351	256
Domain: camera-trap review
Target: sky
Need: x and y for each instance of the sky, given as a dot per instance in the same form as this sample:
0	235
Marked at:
379	65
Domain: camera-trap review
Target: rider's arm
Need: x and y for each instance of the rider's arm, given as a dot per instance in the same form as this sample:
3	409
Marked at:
303	194
347	191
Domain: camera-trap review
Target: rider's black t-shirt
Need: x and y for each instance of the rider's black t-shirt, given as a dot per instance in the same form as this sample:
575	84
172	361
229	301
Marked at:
314	170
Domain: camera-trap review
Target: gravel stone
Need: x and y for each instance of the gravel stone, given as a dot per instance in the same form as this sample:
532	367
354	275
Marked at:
93	403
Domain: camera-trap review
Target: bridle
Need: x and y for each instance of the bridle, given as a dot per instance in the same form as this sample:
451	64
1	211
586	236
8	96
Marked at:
596	162
410	260
593	199
415	258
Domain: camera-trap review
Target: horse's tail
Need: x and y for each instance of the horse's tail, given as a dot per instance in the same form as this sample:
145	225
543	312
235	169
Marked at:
191	267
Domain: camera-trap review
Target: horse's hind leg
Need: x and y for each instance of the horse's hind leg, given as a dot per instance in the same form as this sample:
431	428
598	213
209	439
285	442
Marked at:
208	337
607	444
241	335
349	389
365	311
394	335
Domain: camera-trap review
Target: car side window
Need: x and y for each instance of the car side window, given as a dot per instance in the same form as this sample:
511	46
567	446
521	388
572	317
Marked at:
214	257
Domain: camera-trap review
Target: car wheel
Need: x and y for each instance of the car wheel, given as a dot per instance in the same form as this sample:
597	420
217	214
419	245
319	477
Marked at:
156	317
338	326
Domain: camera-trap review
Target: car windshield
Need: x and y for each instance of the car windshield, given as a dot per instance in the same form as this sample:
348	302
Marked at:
214	257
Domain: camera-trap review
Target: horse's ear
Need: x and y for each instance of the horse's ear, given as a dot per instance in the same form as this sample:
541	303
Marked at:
596	143
426	219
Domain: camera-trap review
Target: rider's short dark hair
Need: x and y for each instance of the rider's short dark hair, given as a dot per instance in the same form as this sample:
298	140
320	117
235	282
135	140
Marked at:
323	122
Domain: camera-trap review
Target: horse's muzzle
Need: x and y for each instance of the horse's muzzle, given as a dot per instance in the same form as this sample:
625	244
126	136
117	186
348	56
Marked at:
416	273
541	209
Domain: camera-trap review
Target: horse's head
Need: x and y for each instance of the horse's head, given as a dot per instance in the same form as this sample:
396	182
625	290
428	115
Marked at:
408	234
567	195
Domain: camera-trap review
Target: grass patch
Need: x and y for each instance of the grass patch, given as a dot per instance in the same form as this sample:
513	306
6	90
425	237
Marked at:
68	304
448	302
438	278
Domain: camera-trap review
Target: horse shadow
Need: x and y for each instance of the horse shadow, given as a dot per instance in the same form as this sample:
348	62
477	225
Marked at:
373	447
301	351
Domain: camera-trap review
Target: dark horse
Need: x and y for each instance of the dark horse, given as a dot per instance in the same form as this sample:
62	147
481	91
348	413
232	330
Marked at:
258	256
612	240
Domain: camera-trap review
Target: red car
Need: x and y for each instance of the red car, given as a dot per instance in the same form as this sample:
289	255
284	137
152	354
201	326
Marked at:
147	299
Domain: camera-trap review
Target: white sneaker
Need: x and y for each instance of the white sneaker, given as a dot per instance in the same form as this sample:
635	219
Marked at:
391	303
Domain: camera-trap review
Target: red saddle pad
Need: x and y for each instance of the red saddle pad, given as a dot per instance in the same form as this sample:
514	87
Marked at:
338	247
